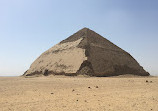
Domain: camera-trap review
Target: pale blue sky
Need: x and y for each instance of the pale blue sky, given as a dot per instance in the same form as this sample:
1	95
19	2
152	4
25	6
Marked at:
30	27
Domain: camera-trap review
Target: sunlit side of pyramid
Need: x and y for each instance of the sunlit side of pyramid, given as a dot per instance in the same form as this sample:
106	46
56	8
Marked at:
85	53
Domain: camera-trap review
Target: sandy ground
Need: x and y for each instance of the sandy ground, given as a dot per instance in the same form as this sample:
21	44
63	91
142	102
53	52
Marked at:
60	93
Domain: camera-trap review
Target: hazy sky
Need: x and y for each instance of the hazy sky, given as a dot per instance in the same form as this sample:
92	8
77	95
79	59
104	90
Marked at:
30	27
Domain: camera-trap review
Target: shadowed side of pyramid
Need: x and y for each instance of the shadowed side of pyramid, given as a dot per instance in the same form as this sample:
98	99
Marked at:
86	53
107	59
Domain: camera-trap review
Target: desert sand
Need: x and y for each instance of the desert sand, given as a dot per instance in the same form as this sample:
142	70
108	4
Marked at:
65	93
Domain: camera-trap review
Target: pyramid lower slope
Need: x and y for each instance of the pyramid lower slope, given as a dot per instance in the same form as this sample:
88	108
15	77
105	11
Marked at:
60	59
86	52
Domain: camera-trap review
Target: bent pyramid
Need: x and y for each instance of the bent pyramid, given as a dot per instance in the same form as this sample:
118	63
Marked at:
85	52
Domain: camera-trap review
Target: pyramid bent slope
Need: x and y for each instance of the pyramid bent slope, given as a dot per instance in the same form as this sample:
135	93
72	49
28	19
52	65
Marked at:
86	52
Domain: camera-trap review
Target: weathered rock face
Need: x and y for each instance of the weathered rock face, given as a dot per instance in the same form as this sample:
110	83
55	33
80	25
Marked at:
86	52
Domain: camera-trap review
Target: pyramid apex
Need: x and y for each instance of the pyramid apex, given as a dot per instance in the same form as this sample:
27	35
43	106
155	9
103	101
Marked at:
85	28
